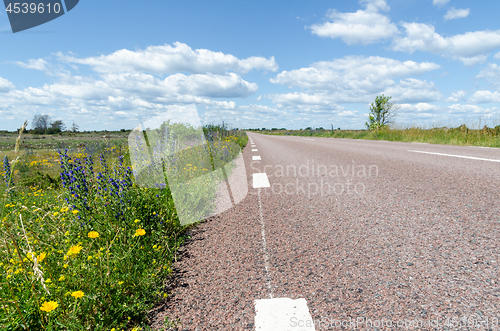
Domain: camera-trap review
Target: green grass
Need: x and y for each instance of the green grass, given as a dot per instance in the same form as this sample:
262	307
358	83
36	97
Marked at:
88	250
461	135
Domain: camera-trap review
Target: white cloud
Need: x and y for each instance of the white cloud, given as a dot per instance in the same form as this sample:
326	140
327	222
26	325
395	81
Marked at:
133	85
497	55
353	78
453	13
471	48
5	85
411	90
440	3
470	110
168	59
362	27
38	64
456	96
485	97
492	74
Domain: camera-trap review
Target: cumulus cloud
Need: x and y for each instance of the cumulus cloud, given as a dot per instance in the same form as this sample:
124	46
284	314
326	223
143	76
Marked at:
453	13
497	55
411	90
5	85
131	85
362	27
491	74
471	48
168	59
353	78
440	3
38	64
485	97
456	96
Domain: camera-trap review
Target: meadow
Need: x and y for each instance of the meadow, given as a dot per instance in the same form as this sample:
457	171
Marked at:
84	246
465	135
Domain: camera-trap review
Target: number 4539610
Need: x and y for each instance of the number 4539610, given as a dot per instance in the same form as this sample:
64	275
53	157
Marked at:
33	8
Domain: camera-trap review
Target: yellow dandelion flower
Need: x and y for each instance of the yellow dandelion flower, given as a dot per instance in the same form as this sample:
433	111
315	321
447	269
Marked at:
93	234
75	211
140	232
65	266
136	221
74	250
41	257
62	278
49	306
56	213
77	294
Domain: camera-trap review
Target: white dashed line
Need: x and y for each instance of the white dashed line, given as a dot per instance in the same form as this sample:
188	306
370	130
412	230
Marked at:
260	180
264	248
283	314
254	149
256	158
460	156
309	139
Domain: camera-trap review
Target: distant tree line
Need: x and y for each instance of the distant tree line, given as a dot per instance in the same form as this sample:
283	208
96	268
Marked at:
42	124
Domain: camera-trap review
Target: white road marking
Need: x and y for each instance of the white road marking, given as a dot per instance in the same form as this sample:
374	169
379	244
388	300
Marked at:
264	248
309	139
260	180
283	314
254	149
460	156
255	158
486	147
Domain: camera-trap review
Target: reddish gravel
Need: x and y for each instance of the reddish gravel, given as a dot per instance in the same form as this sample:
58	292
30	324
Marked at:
419	244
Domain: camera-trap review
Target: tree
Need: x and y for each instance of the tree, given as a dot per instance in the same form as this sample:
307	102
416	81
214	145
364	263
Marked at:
56	127
40	123
74	127
382	113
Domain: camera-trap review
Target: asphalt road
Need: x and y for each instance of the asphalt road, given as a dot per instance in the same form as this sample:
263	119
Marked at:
372	234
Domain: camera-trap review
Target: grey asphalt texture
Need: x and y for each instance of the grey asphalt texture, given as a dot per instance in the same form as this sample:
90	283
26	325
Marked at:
411	246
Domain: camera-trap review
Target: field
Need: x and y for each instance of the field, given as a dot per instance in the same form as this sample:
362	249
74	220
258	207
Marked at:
83	246
460	135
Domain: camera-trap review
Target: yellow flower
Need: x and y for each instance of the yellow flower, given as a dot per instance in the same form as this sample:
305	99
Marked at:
65	266
41	257
140	232
119	283
89	257
48	280
49	306
75	211
62	278
64	209
136	221
93	234
74	250
77	294
56	213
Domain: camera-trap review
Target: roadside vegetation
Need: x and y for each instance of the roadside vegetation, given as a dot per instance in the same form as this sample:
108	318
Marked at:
82	246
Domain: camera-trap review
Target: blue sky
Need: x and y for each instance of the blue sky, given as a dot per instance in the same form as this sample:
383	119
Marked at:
113	64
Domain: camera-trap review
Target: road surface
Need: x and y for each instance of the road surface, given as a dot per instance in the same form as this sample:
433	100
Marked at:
349	234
